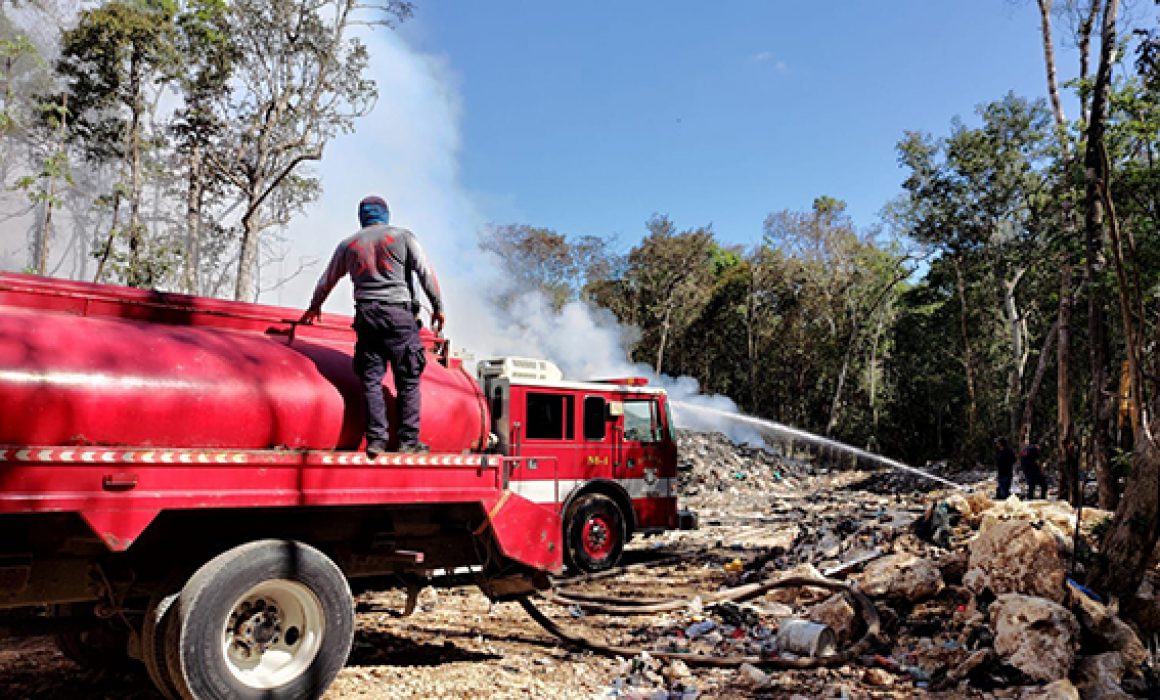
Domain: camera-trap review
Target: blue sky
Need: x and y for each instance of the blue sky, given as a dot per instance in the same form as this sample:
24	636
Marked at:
589	117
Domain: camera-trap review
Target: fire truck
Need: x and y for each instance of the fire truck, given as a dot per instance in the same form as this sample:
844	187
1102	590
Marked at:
182	483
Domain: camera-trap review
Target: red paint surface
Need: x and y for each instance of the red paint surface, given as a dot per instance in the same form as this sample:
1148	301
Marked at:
88	364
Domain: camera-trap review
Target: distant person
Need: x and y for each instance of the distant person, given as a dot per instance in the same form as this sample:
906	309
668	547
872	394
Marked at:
1029	463
1004	467
380	259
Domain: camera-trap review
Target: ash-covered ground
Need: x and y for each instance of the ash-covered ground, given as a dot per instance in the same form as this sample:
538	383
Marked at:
971	594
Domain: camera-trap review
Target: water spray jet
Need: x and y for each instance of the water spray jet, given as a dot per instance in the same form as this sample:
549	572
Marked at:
776	428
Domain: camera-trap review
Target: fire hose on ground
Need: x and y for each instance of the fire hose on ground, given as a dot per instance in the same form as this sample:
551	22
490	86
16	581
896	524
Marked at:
614	606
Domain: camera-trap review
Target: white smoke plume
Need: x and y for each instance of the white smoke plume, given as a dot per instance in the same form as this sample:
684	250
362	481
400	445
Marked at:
408	152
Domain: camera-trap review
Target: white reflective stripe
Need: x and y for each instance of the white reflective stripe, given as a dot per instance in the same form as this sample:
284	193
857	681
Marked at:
44	455
3	455
544	490
97	380
22	455
541	491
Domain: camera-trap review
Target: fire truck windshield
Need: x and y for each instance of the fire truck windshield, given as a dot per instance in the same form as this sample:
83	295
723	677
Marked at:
641	421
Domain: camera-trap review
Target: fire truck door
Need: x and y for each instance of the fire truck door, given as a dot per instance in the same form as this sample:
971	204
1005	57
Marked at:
639	437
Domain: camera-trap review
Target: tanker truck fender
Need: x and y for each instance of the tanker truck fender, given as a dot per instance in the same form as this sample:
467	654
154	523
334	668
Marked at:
290	615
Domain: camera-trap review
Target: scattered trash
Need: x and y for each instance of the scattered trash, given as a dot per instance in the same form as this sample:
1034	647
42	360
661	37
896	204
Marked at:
806	638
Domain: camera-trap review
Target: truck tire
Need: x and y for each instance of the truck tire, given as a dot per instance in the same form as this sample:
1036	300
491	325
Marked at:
270	619
158	616
102	647
594	533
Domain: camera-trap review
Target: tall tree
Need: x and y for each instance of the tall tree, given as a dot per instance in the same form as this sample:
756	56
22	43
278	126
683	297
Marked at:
113	62
980	197
202	80
1128	548
671	274
300	81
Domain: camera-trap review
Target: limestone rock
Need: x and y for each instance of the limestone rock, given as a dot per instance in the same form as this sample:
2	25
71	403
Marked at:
836	613
980	502
975	660
1104	630
877	677
1057	690
1093	670
1104	690
1014	557
1037	636
952	566
902	576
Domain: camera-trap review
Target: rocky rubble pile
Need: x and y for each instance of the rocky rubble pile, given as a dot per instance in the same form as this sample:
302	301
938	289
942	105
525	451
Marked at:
974	594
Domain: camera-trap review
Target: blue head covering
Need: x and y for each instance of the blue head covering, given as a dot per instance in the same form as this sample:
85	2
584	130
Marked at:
373	210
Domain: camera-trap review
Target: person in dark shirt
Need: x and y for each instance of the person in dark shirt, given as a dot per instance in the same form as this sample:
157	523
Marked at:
380	260
1029	463
1005	466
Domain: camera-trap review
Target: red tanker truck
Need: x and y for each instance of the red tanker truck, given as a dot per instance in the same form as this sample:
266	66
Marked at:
182	483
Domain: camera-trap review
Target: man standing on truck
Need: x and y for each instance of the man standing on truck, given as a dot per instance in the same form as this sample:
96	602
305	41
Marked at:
380	259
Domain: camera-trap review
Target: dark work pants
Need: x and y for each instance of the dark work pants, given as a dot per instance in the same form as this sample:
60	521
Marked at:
389	335
1035	478
1004	487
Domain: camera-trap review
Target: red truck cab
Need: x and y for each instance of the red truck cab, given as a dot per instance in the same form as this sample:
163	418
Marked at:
602	452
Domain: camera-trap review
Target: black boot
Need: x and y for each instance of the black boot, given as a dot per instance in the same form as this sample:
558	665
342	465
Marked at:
376	448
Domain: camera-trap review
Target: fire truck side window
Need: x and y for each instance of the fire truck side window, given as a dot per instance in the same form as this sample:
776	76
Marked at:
640	421
550	417
595	418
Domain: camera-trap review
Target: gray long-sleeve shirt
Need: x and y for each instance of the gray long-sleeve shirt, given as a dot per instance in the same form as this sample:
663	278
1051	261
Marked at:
380	260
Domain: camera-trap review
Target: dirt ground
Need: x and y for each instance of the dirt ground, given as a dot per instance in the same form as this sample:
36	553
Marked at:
768	514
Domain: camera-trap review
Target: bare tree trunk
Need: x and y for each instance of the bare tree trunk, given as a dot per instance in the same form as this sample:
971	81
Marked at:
837	401
1070	487
873	378
1049	62
1127	549
968	360
1024	432
108	247
1094	177
1087	24
1015	376
135	277
191	271
1133	336
664	336
245	288
751	339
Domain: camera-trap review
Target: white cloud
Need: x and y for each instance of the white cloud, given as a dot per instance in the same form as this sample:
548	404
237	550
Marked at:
769	58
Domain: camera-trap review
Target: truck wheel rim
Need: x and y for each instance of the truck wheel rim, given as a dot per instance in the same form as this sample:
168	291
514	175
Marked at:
597	537
273	634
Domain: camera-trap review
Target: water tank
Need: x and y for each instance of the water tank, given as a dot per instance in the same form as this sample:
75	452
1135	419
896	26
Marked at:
86	364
